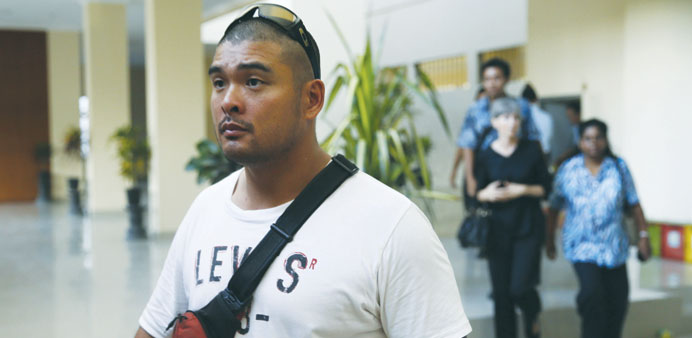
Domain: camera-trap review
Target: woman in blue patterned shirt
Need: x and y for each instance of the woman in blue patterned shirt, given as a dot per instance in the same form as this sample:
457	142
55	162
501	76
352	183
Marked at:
596	189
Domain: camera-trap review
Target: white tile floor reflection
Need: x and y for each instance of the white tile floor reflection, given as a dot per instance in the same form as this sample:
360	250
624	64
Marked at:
66	276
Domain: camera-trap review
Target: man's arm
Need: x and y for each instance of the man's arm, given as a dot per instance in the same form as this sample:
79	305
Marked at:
455	167
471	183
142	334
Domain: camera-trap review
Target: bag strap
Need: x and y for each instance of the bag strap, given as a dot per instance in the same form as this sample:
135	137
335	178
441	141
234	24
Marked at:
245	280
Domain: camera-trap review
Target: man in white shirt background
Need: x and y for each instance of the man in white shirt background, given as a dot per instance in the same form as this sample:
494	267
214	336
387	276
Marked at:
541	118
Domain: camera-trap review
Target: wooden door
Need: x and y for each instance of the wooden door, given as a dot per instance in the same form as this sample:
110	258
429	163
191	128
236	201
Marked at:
23	112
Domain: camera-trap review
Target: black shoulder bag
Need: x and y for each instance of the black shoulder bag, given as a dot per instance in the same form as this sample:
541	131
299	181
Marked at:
473	232
221	317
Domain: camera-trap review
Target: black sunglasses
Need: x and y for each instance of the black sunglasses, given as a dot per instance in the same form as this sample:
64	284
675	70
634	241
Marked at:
289	23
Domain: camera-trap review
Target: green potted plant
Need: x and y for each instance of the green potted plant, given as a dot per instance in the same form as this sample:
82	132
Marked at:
42	153
73	150
210	163
379	132
134	154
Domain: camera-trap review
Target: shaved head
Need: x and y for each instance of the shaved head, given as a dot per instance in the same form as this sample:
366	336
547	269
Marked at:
291	52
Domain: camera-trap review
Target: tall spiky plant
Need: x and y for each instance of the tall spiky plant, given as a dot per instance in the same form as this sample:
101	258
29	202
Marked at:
379	132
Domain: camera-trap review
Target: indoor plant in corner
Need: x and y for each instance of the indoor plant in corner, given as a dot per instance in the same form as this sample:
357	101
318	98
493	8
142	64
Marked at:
134	154
379	131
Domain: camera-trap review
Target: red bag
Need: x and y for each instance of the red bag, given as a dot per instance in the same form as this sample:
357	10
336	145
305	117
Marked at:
218	319
188	326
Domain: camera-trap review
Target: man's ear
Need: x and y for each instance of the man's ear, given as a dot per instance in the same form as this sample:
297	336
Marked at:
313	98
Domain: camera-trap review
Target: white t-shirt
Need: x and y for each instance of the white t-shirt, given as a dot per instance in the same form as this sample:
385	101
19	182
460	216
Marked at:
367	263
544	123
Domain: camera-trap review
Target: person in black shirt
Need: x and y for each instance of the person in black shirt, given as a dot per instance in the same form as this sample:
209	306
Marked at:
513	177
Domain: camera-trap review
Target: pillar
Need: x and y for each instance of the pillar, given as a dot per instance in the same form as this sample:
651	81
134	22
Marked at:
64	88
175	75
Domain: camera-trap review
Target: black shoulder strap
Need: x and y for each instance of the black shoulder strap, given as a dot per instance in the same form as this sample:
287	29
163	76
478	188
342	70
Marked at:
244	281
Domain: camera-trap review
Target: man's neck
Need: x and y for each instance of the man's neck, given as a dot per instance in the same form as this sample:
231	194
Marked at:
276	182
502	94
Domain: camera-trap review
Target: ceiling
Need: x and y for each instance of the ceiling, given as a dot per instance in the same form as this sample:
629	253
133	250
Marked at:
66	15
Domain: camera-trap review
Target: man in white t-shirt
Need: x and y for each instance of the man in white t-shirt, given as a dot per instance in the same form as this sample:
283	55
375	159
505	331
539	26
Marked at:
542	119
366	264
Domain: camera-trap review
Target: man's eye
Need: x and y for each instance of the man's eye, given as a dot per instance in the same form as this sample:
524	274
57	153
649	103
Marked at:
253	82
217	84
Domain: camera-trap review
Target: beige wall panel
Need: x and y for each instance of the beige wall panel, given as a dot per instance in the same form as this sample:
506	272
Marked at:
657	112
575	48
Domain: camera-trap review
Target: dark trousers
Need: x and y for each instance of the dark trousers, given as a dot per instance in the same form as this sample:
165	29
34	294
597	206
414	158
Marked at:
514	265
602	300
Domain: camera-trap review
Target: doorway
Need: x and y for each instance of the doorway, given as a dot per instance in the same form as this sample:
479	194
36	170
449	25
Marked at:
23	113
563	139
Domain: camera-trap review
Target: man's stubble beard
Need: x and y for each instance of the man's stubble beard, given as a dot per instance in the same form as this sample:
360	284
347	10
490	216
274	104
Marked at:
256	154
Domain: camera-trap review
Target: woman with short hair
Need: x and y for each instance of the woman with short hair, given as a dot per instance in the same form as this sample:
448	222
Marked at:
513	176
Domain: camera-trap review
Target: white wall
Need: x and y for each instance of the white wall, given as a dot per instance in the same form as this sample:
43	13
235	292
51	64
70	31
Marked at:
423	30
657	113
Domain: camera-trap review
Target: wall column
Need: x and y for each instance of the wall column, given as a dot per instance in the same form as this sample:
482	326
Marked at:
107	86
64	86
656	116
175	106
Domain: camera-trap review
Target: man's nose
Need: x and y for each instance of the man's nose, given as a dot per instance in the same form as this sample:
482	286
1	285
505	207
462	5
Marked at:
232	100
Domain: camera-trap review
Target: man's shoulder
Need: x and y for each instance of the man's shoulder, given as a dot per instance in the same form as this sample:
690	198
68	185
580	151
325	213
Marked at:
364	185
363	199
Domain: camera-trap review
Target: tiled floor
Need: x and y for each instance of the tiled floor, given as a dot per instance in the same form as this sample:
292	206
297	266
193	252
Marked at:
66	276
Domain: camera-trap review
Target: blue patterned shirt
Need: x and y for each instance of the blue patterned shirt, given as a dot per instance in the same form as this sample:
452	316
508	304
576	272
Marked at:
593	231
478	119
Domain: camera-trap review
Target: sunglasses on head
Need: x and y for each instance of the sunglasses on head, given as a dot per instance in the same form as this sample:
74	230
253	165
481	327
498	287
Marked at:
289	23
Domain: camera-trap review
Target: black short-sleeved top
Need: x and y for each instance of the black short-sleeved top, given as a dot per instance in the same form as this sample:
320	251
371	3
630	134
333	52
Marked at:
522	216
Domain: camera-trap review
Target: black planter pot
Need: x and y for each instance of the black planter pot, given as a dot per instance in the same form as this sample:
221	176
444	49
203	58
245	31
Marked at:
136	215
74	196
44	187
